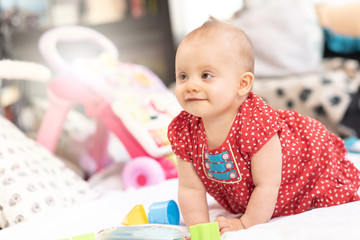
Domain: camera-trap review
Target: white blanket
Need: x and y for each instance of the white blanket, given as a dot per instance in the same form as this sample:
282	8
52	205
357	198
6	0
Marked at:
339	222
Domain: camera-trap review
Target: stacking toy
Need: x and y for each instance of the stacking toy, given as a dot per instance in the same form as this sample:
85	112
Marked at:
205	231
166	212
145	232
136	216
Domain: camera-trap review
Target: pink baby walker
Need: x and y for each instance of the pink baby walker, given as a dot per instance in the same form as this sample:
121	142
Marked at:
127	99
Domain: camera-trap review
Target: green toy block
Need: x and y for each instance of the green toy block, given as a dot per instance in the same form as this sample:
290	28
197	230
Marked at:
205	231
89	236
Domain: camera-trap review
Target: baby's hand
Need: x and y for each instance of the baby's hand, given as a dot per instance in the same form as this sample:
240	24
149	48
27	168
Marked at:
229	224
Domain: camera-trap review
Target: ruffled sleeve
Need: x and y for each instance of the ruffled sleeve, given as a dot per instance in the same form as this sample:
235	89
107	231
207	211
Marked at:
259	124
179	135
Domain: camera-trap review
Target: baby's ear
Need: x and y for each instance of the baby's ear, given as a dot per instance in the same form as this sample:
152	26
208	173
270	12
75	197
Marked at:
245	84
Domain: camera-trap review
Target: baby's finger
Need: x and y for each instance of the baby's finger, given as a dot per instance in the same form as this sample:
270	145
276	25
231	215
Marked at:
223	224
222	221
225	229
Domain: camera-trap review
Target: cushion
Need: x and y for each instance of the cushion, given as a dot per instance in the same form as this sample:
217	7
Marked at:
32	180
286	35
324	96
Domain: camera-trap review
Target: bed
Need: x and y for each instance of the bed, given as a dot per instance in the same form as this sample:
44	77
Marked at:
108	211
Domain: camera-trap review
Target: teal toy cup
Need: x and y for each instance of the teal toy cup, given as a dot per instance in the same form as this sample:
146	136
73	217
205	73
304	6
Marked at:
205	231
166	212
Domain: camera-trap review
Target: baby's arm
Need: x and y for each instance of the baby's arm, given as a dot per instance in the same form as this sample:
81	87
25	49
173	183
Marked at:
266	167
192	195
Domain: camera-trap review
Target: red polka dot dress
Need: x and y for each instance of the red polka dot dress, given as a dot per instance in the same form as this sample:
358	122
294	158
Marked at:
315	171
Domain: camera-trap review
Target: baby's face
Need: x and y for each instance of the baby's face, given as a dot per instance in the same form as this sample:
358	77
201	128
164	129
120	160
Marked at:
207	76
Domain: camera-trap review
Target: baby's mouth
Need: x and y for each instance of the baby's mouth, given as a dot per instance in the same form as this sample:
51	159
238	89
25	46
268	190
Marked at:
194	98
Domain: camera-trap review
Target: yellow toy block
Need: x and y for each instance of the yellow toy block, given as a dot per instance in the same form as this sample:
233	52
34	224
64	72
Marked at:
136	216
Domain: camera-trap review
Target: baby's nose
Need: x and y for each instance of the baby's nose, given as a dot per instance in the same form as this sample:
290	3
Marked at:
192	85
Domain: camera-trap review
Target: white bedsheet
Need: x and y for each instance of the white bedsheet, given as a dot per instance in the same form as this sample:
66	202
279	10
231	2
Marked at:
339	222
108	211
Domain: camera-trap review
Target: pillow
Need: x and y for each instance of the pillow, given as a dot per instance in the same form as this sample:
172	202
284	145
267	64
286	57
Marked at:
32	180
324	96
341	23
286	35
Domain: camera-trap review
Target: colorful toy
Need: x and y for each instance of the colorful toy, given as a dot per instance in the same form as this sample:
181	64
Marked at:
88	236
136	216
147	232
127	99
205	231
166	212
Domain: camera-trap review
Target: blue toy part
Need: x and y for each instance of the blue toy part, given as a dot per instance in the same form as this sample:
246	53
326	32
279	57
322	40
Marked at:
144	232
166	212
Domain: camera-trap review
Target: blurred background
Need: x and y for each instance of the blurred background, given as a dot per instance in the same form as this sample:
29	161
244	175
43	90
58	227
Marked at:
145	31
307	51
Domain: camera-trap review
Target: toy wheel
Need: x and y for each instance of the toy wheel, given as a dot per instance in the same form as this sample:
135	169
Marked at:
142	171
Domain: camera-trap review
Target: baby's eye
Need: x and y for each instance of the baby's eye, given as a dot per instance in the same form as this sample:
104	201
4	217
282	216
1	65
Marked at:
183	76
206	76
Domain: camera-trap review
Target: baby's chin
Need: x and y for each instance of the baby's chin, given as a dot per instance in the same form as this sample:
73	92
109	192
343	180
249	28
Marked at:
198	113
194	112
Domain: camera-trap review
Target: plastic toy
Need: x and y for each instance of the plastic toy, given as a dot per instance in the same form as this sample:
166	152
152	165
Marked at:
89	236
147	232
127	99
166	212
205	231
136	216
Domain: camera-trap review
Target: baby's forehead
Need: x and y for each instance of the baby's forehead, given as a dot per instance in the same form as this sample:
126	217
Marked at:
217	33
212	30
229	40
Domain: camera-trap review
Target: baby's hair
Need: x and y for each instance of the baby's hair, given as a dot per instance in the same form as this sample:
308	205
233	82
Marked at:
211	20
241	41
